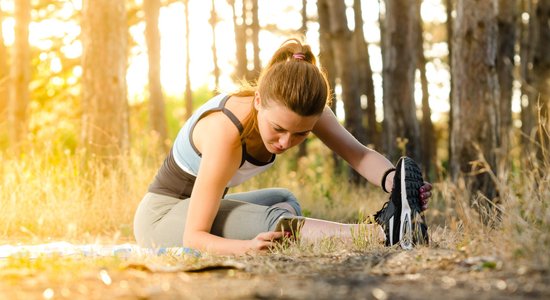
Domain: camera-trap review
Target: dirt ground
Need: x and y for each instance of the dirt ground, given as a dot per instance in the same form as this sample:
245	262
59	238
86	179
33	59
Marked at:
423	273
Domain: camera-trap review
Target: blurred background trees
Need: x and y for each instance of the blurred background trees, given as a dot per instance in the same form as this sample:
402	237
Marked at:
457	85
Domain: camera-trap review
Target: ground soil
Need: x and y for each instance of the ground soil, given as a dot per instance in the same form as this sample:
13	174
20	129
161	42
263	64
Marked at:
423	273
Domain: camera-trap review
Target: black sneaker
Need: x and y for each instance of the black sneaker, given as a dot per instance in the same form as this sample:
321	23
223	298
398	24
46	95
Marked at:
401	216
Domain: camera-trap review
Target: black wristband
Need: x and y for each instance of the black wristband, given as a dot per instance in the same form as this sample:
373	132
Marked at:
383	183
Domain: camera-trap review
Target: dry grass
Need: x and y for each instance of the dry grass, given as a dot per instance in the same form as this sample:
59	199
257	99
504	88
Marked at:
46	196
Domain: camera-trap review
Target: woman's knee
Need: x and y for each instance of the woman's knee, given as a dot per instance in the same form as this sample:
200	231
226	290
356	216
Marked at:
288	201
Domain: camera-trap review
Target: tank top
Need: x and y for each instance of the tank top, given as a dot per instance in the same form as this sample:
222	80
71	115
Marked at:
177	174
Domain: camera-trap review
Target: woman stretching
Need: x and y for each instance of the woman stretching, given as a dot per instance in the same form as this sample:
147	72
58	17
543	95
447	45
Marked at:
236	136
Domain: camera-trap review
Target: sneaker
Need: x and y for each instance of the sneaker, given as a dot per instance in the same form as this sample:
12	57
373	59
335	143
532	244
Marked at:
401	216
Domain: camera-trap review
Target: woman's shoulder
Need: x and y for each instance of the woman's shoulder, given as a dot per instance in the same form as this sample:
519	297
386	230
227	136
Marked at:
216	127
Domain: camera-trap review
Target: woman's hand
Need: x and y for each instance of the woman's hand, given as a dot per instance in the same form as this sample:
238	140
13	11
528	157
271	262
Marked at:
265	240
425	194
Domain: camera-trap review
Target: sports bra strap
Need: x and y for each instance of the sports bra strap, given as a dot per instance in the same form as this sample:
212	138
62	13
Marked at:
233	119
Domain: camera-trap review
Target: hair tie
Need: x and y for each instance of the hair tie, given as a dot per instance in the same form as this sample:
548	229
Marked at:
299	56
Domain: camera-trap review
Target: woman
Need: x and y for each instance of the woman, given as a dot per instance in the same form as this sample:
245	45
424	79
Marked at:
234	137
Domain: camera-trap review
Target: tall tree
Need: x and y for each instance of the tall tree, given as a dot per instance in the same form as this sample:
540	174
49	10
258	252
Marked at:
157	117
541	72
239	25
188	98
366	83
342	42
428	145
213	23
302	150
326	59
4	76
449	8
105	123
475	94
20	74
507	23
400	61
255	39
528	92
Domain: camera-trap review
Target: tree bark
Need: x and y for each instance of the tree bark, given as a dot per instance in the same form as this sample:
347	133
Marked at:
255	38
400	61
156	98
302	150
528	91
342	42
326	59
449	7
541	71
475	94
241	69
507	18
105	131
366	84
20	75
428	143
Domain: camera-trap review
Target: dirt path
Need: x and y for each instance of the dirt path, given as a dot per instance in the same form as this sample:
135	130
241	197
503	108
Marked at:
385	274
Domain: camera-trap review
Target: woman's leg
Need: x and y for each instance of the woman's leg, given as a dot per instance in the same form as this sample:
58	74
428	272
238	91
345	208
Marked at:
315	229
277	197
160	220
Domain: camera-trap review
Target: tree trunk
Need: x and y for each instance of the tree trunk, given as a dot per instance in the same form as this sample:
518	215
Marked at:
213	23
428	142
188	91
366	84
342	42
4	79
105	123
507	18
326	59
255	37
449	7
528	92
475	95
541	70
401	125
302	150
156	99
241	69
20	75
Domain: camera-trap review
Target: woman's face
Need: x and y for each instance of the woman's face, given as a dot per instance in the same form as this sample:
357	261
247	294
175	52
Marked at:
281	128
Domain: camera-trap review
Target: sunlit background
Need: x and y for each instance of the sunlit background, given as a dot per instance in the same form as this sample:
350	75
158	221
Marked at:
285	14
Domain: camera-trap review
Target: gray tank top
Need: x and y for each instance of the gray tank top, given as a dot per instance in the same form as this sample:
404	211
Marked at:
177	175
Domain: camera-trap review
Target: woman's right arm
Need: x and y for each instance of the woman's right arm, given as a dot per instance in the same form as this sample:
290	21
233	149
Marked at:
219	143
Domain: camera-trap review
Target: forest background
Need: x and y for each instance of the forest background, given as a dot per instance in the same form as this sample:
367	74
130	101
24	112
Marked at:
92	94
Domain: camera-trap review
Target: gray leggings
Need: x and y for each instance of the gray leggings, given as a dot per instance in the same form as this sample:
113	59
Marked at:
160	220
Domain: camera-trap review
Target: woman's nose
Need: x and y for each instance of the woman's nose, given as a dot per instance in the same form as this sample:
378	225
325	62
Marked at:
284	140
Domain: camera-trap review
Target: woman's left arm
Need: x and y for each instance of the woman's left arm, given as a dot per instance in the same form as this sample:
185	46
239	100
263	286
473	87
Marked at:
367	162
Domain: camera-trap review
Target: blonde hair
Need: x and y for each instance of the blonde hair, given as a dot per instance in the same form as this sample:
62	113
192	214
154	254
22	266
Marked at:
291	78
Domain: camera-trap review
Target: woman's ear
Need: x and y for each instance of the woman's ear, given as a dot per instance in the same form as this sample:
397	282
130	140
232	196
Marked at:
257	101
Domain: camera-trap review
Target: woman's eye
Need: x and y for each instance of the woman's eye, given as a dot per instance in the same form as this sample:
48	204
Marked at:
279	129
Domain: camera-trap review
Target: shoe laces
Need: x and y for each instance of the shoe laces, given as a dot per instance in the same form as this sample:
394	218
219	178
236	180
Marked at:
383	215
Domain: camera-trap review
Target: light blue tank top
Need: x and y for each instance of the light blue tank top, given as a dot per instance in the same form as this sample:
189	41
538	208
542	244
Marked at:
188	158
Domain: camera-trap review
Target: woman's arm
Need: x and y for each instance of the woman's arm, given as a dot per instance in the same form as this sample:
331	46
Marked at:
367	162
219	143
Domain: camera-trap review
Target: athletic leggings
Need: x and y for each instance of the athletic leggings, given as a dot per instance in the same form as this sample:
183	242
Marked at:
160	220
